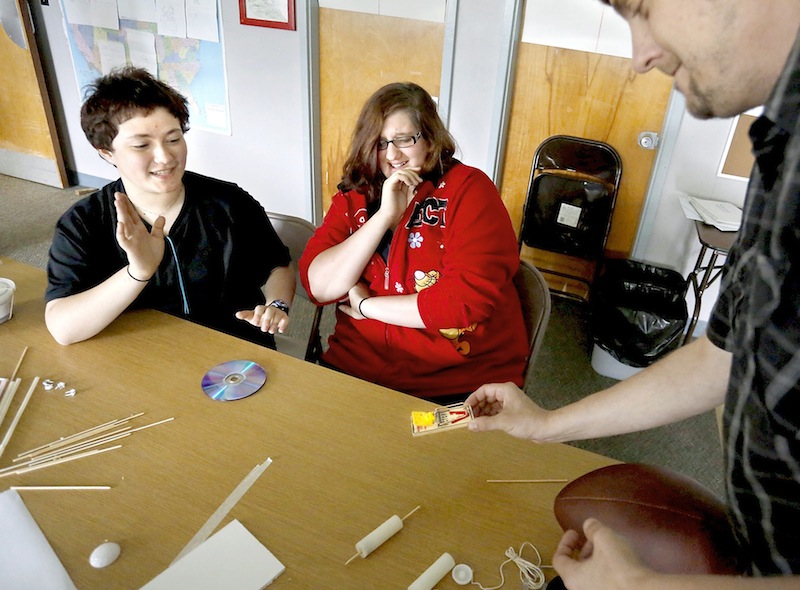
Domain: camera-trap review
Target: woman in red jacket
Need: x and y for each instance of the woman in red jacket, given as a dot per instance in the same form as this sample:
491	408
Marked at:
419	251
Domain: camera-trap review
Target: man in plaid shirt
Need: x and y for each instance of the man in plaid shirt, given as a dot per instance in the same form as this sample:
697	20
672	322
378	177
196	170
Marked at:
726	56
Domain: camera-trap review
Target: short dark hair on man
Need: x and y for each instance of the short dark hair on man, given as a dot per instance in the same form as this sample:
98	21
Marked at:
123	94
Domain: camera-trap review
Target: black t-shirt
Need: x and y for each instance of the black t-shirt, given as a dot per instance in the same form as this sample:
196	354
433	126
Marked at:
219	252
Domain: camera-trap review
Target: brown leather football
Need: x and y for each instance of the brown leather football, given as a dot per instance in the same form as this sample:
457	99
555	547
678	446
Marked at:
675	524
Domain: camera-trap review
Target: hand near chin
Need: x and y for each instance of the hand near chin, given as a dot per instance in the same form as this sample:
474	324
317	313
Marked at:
398	190
503	406
145	249
603	559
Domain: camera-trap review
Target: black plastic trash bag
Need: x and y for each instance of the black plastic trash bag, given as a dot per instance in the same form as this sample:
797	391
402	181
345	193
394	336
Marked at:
639	311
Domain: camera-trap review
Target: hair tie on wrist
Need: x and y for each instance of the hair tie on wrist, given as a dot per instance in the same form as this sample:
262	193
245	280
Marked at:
128	268
360	303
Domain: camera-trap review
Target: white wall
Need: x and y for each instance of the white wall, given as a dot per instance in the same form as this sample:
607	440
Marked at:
475	85
577	24
692	170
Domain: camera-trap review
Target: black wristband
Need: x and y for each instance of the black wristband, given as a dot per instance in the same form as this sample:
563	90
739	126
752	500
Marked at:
360	303
128	268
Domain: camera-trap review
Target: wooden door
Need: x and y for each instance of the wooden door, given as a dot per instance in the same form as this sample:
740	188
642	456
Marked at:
562	91
29	146
359	53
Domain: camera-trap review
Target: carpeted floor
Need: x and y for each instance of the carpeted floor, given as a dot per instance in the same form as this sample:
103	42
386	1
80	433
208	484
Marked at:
562	374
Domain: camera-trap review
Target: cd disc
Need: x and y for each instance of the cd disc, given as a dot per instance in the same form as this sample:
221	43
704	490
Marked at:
233	380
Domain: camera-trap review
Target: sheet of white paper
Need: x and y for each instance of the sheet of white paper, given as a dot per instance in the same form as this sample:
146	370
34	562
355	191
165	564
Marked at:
27	561
717	210
721	214
78	12
142	50
171	15
217	115
688	209
230	558
201	20
112	55
275	10
104	14
143	10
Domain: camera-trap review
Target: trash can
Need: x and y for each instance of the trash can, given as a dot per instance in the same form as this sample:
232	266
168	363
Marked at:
639	314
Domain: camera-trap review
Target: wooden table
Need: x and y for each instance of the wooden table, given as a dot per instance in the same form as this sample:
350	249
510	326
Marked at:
343	457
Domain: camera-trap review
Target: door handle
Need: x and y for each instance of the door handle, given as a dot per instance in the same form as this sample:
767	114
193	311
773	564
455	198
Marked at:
648	140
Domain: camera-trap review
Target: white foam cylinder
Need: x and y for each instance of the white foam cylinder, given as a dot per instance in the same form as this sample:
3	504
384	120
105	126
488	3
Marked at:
379	536
433	575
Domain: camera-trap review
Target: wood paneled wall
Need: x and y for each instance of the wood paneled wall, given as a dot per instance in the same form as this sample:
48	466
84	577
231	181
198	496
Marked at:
359	53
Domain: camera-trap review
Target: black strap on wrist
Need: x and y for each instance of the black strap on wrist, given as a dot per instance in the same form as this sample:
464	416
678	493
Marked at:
360	303
128	268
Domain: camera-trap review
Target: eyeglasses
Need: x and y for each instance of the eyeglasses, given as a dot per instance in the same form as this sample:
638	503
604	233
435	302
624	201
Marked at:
399	142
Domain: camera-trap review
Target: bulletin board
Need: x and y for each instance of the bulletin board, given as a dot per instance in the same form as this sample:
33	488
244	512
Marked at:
737	159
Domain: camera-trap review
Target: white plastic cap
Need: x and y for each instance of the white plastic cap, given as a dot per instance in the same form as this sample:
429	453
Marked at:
462	574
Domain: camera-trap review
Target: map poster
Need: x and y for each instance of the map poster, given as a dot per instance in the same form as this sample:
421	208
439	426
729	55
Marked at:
194	67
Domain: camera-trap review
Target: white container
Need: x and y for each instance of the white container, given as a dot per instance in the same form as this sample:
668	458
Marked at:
606	365
7	289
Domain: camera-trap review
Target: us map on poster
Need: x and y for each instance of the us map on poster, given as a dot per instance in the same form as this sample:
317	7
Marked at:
179	41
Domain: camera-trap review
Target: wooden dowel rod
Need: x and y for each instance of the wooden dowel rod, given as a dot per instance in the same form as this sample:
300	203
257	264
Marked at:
66	444
94	442
49	457
56	488
412	512
5	403
58	461
79	435
153	424
61	453
75	449
527	480
17	416
19	363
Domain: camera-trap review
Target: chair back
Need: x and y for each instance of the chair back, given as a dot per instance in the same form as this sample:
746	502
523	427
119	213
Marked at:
577	154
534	295
566	219
295	232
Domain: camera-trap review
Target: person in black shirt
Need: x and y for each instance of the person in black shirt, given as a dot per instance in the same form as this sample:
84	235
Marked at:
160	237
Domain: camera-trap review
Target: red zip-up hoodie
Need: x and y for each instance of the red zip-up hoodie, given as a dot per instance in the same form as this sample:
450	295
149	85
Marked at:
454	246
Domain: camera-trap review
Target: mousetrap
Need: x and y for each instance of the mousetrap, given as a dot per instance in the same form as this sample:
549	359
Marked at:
441	419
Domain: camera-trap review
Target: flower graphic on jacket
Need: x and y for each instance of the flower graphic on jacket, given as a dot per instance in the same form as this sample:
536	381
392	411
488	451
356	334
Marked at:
415	239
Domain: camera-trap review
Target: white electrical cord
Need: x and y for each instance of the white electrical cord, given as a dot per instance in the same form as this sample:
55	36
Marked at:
530	574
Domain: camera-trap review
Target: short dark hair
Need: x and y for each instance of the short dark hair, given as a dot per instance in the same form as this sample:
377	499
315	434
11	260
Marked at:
121	95
361	171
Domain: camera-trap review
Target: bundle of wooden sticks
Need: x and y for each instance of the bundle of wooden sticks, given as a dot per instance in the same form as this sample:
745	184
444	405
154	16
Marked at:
69	448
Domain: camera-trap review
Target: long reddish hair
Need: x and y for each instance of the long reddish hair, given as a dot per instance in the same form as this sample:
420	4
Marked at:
361	171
